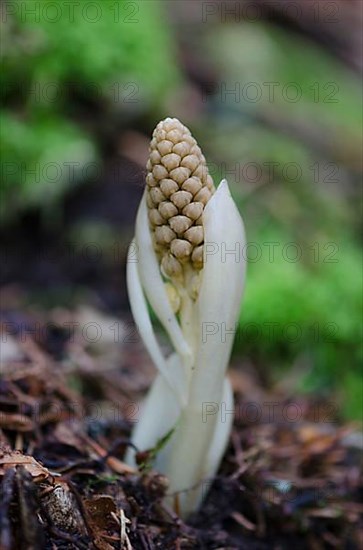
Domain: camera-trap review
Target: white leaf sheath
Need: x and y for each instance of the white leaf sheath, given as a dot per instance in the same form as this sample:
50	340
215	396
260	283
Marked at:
218	303
175	374
153	284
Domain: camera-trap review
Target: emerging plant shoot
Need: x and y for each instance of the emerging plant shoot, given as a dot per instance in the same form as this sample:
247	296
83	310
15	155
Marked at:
184	264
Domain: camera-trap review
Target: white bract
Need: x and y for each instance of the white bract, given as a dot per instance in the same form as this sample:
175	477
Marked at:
191	386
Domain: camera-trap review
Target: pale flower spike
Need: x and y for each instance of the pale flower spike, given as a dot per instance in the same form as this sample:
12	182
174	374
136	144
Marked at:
186	268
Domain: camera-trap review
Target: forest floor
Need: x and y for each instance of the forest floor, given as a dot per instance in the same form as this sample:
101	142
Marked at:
290	476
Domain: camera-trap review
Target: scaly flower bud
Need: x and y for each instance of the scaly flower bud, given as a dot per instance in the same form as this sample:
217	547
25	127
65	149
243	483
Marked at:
178	188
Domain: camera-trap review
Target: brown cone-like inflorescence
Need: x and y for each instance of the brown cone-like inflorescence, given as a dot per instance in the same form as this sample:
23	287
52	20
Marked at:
178	188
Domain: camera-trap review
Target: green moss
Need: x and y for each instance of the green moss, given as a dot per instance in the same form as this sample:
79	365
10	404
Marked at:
307	312
117	58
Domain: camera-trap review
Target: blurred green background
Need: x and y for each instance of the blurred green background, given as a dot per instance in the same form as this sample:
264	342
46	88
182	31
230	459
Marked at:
273	96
